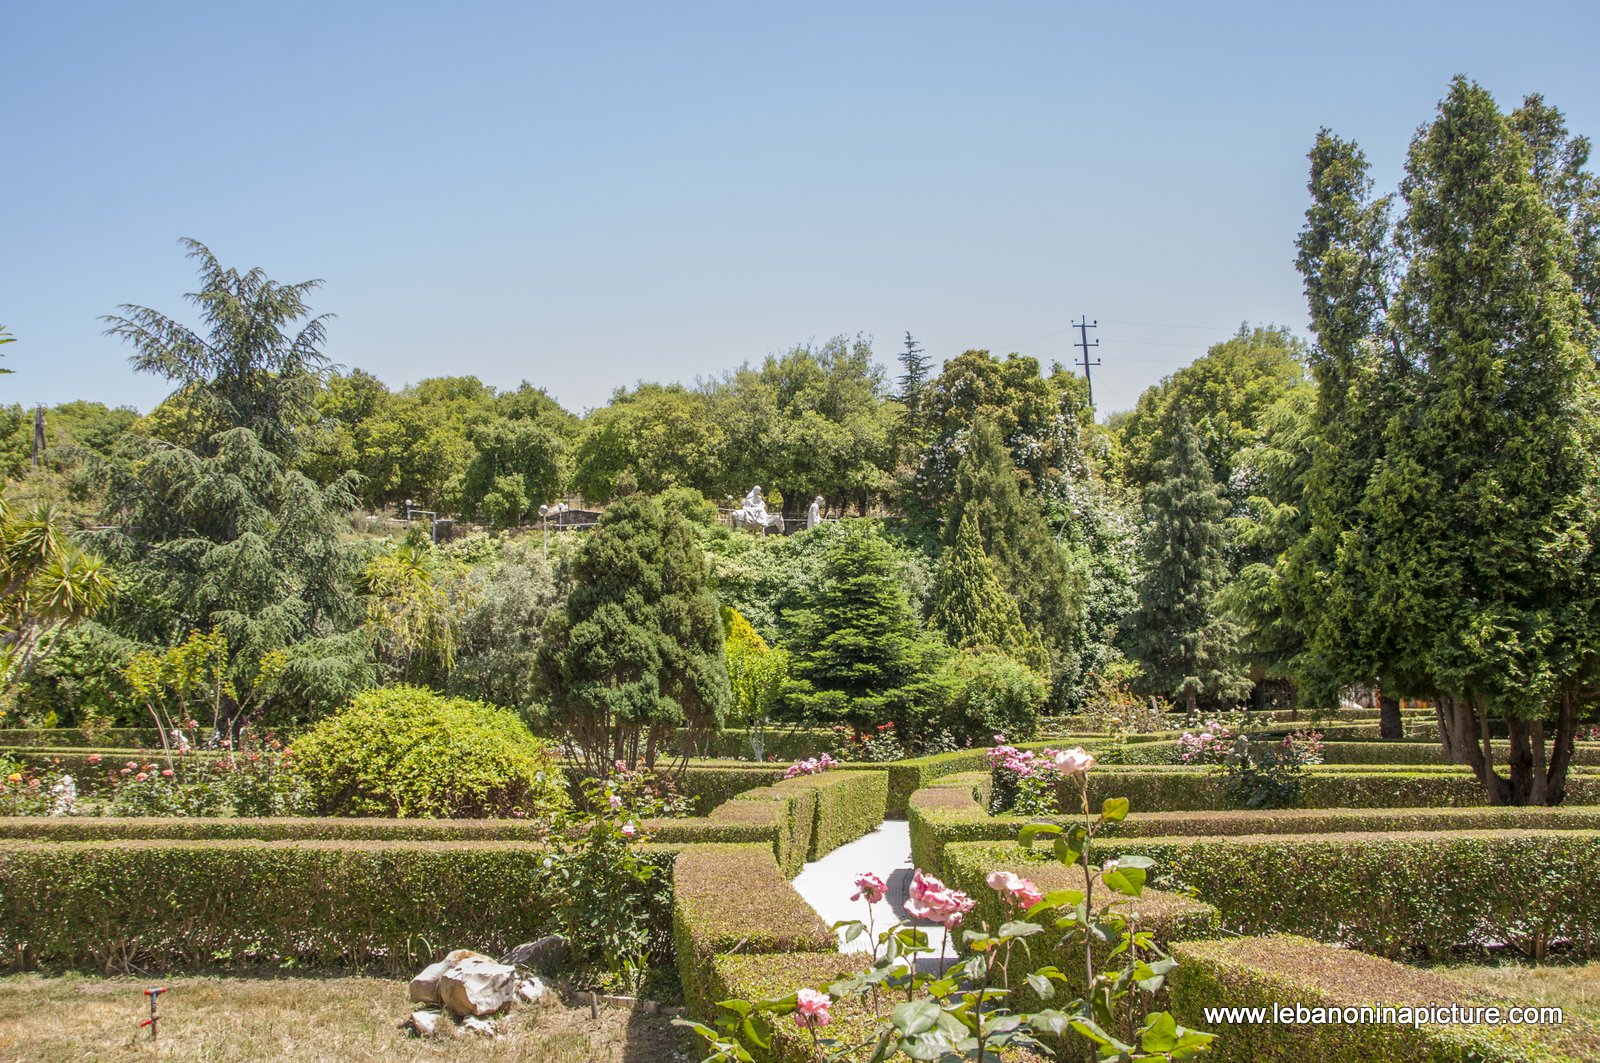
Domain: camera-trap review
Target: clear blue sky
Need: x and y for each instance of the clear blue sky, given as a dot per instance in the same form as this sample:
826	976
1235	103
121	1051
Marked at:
589	194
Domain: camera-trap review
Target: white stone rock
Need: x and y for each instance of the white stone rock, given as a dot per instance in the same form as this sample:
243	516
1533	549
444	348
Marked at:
531	991
425	986
426	1023
477	986
472	1026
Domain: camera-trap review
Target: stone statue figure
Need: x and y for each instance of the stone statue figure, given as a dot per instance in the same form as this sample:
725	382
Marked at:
814	517
754	516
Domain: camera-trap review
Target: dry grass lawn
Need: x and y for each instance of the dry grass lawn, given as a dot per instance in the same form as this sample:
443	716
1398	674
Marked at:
74	1019
1575	988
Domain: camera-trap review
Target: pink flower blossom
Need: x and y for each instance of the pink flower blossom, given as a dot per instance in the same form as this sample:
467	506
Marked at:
1015	889
614	801
141	777
167	772
629	830
869	887
1073	761
811	1009
933	900
94	758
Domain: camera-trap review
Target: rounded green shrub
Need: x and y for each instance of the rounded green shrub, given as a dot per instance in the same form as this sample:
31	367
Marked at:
408	751
992	693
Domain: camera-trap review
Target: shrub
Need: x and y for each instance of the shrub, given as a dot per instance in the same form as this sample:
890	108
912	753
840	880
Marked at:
161	905
406	751
992	693
1389	894
735	897
1289	971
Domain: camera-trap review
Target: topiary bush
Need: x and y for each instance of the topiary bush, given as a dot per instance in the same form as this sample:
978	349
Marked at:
992	693
408	752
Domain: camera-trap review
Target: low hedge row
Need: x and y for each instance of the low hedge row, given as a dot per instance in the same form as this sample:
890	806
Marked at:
712	784
1285	971
811	815
735	898
167	904
72	737
1339	753
786	744
1157	789
1387	893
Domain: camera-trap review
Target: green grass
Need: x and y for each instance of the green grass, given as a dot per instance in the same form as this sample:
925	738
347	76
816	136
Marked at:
1573	987
296	1020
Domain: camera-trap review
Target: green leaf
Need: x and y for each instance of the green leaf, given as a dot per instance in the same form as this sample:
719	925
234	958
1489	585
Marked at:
1041	985
1027	834
1159	1033
1115	809
914	1016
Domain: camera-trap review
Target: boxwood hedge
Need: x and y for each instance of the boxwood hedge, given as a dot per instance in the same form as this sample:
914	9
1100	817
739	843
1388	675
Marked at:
1387	893
1289	971
151	905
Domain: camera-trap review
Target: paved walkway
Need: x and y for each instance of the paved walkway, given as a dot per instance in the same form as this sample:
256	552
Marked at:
827	884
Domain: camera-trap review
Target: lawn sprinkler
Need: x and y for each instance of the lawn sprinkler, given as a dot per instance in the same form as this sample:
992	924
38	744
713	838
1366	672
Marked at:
154	993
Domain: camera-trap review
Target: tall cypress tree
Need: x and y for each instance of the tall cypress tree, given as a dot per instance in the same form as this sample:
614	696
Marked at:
1488	502
972	608
1454	492
638	651
1185	641
1031	566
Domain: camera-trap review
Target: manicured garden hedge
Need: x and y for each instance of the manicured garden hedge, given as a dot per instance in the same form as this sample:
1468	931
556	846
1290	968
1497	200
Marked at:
811	815
735	898
1386	893
164	905
1290	971
73	737
712	784
1156	789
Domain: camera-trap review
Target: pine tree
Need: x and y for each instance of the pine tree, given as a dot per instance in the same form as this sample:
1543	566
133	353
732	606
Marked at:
1181	636
858	650
972	608
1031	567
638	651
914	371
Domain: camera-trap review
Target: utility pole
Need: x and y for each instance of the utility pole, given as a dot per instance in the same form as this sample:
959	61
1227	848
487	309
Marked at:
39	442
1083	326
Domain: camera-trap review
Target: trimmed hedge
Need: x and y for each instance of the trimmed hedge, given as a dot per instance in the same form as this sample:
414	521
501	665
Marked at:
1342	753
1386	893
745	977
1156	789
712	784
77	737
849	804
735	898
164	905
780	743
1290	971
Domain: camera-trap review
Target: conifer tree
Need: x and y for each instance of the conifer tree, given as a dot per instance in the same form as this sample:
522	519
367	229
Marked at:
972	608
1031	567
858	650
914	371
638	651
1184	640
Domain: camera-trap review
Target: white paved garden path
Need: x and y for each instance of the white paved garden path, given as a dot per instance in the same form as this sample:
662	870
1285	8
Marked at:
827	884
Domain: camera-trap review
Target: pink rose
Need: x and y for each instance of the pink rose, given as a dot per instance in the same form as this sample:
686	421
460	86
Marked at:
614	801
629	830
811	1009
1073	761
167	772
1015	889
141	777
869	887
94	758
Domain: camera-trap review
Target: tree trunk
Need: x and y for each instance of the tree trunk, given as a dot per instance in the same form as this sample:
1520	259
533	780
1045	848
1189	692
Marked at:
1519	735
1479	753
1450	732
1390	727
1566	735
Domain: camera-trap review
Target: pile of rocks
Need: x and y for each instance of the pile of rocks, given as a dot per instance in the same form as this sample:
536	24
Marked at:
469	987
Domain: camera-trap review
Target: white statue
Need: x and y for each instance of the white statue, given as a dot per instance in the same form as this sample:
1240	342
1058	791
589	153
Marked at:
753	514
814	517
